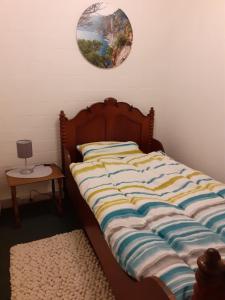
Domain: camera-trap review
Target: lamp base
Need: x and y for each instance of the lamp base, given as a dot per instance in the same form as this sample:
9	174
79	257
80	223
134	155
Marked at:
26	171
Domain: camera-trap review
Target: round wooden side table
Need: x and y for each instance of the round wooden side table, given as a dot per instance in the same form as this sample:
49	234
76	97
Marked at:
14	182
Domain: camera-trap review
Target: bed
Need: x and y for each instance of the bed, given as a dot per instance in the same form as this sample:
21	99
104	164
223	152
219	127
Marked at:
118	121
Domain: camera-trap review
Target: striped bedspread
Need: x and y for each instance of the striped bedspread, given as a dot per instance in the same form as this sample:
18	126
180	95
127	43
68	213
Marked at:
157	215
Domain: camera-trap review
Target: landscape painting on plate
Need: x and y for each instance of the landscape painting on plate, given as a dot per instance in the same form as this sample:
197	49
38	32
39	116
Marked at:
104	35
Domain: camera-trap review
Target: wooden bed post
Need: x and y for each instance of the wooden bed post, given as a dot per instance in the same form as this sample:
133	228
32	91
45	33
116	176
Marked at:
151	115
62	118
210	277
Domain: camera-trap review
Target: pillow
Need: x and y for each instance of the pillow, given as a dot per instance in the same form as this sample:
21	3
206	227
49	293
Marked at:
96	150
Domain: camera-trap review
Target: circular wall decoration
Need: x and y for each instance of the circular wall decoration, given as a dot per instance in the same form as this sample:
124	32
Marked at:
104	35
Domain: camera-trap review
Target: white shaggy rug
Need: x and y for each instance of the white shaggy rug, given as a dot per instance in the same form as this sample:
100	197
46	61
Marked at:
62	267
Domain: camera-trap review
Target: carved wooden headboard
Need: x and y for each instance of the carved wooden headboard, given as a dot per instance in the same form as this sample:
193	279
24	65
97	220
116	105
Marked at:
108	121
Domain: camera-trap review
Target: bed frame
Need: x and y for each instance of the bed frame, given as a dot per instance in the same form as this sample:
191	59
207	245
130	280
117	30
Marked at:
112	120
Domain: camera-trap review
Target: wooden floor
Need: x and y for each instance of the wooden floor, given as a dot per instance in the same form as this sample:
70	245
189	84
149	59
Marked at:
39	220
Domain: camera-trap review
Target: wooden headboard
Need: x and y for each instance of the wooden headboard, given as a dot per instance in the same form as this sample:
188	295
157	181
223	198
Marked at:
105	121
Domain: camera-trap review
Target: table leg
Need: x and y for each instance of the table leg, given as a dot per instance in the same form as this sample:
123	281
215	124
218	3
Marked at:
15	207
53	189
59	198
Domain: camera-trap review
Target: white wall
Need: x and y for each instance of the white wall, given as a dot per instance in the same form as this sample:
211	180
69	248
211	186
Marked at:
176	64
192	84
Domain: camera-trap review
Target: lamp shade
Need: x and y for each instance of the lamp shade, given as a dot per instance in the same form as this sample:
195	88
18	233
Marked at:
24	148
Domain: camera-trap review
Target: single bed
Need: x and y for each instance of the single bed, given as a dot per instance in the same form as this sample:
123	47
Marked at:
107	121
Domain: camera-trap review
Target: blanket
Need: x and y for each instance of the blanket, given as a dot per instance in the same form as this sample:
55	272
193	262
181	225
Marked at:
157	215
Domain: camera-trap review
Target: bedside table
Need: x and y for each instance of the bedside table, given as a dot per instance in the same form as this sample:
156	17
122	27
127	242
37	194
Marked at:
13	182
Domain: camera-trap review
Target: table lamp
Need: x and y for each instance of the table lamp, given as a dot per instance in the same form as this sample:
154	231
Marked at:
24	150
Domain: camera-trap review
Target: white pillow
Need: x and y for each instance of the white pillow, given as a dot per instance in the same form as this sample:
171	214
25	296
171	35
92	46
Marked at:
96	150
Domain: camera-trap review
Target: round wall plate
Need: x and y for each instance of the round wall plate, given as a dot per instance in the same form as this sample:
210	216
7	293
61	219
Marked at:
104	35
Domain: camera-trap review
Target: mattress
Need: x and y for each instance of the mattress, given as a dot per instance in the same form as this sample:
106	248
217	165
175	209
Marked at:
157	215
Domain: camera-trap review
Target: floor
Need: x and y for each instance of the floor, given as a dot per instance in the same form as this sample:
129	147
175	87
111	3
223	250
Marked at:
39	220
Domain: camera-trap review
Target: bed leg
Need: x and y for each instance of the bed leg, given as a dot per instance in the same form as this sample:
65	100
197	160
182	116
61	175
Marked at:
210	277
